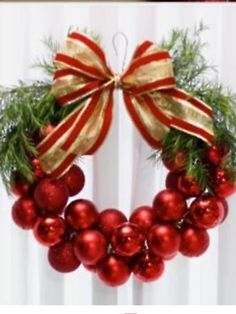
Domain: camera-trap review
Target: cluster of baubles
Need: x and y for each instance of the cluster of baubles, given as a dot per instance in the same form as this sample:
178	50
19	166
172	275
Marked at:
109	244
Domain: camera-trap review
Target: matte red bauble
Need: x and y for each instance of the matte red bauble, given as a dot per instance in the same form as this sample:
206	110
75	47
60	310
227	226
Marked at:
51	195
127	240
144	217
90	246
222	183
38	170
172	180
49	230
216	154
148	267
169	205
189	186
81	214
206	211
24	212
163	240
113	270
74	180
194	241
177	163
109	219
62	257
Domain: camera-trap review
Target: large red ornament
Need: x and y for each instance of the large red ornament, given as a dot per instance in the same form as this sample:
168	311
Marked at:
90	246
127	240
109	219
62	257
163	240
113	270
81	214
169	205
222	183
74	180
49	230
144	217
172	180
206	211
189	186
148	267
216	154
24	212
194	241
177	163
51	195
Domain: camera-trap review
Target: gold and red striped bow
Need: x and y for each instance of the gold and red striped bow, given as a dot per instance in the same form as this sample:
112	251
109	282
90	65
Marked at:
150	96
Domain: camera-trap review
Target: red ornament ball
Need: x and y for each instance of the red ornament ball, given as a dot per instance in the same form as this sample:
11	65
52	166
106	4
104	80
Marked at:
38	170
194	241
19	186
74	180
189	186
206	211
113	270
216	154
163	240
148	267
49	230
81	214
177	163
51	195
62	257
90	246
144	217
24	212
127	240
222	183
172	180
169	205
223	202
91	268
109	219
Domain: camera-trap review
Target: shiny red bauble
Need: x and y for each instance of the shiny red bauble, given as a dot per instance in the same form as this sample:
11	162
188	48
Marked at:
24	212
222	184
216	154
91	268
81	214
74	180
113	270
49	230
148	267
169	205
178	162
163	240
172	180
144	217
127	240
109	219
90	246
38	170
62	257
51	195
194	241
206	211
223	202
189	186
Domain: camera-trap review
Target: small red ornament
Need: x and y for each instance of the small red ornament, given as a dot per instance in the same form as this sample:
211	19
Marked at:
144	217
206	211
194	241
74	180
113	270
148	267
169	205
90	246
216	154
127	240
51	195
49	230
81	214
222	183
19	186
172	180
38	170
109	219
223	202
62	257
24	212
163	240
92	268
177	163
47	129
189	186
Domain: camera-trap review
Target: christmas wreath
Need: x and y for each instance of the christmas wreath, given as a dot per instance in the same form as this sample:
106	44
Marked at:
189	120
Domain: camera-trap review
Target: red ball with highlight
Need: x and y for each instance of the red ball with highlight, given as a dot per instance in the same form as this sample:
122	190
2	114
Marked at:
25	213
144	217
109	219
74	180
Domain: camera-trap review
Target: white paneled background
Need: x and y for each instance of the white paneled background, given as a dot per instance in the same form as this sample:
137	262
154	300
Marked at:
119	175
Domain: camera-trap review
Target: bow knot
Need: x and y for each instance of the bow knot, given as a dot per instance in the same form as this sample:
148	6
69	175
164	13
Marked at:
117	81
